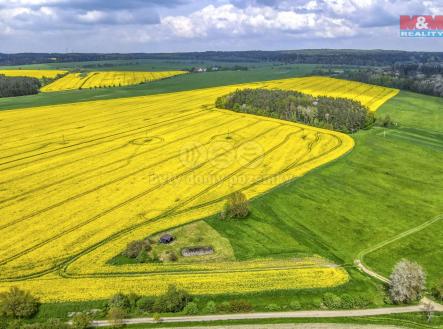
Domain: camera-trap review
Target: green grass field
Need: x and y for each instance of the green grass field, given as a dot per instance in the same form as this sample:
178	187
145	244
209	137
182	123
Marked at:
391	182
179	83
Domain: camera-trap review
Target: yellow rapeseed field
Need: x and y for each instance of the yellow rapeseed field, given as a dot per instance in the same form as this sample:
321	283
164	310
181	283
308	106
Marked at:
106	79
79	181
39	74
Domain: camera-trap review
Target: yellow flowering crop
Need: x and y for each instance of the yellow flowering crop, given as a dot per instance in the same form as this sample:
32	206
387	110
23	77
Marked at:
79	181
106	79
39	74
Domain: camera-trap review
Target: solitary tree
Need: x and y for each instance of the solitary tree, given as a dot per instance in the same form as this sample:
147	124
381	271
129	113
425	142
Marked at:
17	303
237	206
407	282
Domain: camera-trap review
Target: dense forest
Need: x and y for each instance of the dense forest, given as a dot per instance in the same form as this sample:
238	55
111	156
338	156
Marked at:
18	86
325	112
306	56
421	78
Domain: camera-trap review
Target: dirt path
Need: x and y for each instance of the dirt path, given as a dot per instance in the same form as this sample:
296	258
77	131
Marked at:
274	315
300	326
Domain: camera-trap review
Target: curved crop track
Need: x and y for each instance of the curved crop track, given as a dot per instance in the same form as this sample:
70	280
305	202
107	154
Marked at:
79	181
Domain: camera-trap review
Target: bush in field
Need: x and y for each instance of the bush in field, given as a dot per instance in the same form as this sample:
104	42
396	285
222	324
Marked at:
224	307
236	206
18	304
240	306
331	301
272	308
174	300
133	299
191	308
407	282
116	316
210	307
295	305
134	248
81	321
119	300
145	304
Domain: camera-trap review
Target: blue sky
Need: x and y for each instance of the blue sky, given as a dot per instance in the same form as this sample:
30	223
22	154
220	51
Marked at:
183	25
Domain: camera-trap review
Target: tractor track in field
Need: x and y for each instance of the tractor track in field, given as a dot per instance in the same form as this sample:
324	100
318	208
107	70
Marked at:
115	207
91	170
70	260
359	261
74	161
130	131
62	266
105	184
115	117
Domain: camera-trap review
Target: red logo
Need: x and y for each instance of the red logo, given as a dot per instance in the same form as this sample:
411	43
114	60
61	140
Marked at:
424	22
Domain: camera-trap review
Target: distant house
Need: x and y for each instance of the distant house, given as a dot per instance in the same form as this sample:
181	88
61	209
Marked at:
166	238
199	69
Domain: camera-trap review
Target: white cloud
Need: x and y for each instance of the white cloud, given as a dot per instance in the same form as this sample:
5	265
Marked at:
253	20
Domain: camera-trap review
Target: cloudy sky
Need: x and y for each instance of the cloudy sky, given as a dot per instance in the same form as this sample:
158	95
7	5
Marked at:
185	25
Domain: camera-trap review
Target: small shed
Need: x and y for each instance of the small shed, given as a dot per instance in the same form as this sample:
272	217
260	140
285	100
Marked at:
166	238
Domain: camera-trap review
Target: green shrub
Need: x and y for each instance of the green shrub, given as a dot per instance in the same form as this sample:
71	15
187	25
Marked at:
18	304
331	301
133	298
119	300
116	316
210	307
295	305
81	321
347	301
224	307
236	206
142	257
240	306
134	248
272	308
145	304
191	308
174	300
361	302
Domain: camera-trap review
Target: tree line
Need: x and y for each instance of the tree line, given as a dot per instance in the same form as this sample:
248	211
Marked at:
18	86
303	56
339	114
421	78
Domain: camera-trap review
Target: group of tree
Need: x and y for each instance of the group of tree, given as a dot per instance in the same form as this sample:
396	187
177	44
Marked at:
236	206
421	78
325	112
18	86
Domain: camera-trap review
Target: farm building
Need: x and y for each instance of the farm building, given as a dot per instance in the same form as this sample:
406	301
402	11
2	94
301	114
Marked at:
166	238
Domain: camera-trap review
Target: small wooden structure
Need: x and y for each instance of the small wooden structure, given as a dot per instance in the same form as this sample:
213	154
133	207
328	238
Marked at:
197	251
166	238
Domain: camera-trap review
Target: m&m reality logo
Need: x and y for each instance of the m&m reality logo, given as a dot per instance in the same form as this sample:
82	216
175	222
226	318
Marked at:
421	26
